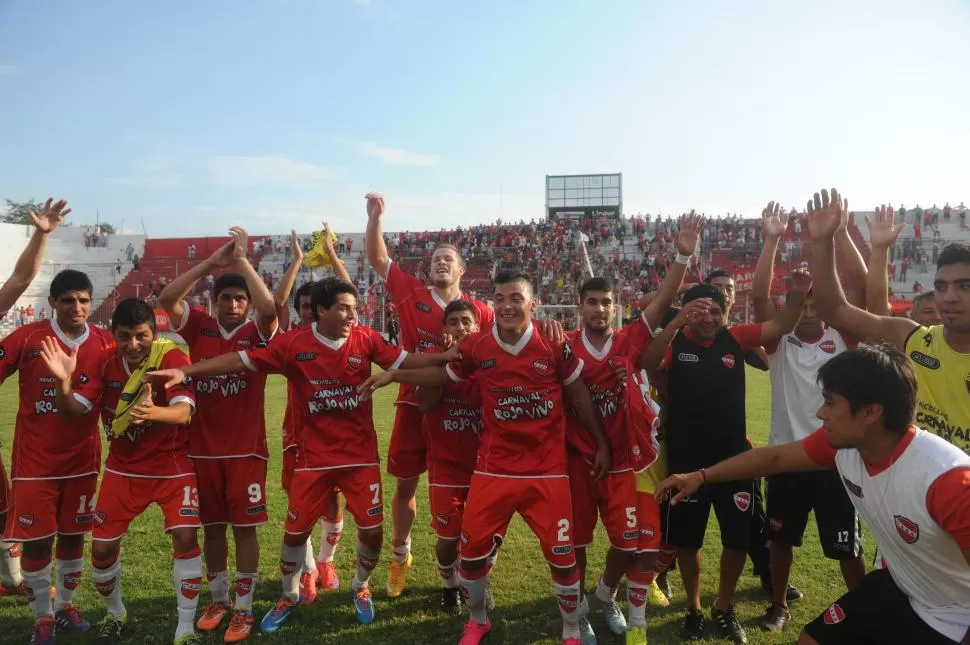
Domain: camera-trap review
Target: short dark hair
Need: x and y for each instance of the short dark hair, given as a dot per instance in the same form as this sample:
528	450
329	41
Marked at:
70	280
132	312
506	277
879	375
305	290
324	293
595	284
717	273
230	281
953	253
705	290
920	297
452	247
460	305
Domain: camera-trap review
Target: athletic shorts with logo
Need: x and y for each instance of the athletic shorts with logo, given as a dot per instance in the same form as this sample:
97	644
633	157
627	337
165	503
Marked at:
232	490
543	502
732	501
876	611
123	498
613	498
792	496
289	465
40	508
311	491
407	454
447	510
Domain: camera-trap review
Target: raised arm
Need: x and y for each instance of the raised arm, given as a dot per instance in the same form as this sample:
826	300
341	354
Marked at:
883	232
688	236
262	299
374	237
652	357
339	269
282	296
774	222
799	284
174	293
849	261
61	366
824	218
28	264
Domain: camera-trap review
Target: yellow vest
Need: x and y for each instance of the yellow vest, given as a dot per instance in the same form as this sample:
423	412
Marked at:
944	386
648	480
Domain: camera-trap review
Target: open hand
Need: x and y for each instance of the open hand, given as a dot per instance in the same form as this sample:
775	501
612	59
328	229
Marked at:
689	227
825	214
240	242
883	230
373	383
224	255
684	485
172	377
50	216
142	412
295	247
799	282
552	329
60	364
693	311
774	220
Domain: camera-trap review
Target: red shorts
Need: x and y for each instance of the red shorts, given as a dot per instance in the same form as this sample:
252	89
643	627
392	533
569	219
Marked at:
39	508
232	490
406	456
447	508
648	516
312	490
4	489
289	463
543	503
122	499
613	498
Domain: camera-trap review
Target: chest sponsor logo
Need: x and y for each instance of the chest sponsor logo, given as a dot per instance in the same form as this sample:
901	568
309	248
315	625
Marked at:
794	341
487	364
853	487
303	357
245	341
928	362
114	385
26	520
907	529
685	357
743	501
728	360
542	367
423	307
35	353
355	360
211	333
834	615
827	346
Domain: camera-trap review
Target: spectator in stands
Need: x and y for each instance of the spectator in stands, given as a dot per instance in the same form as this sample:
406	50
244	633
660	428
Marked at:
135	260
118	266
903	267
43	313
30	314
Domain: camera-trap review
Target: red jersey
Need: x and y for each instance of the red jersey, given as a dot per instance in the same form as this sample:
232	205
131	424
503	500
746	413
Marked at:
451	432
289	418
523	420
44	446
229	419
622	348
422	316
336	428
150	449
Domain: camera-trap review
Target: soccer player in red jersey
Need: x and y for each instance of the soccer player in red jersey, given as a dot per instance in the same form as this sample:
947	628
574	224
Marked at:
332	523
419	308
24	272
337	443
54	468
147	461
521	465
451	423
228	438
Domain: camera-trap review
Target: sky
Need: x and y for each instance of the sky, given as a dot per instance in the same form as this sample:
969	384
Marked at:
184	118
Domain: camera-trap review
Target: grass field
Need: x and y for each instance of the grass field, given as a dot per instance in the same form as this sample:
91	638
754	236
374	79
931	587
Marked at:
526	611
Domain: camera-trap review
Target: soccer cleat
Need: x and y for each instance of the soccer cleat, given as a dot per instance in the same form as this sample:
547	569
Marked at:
656	597
614	617
794	593
664	585
450	601
308	587
192	638
775	619
20	590
45	632
474	633
327	576
586	634
727	625
636	635
212	616
364	606
109	630
397	579
276	616
71	621
692	627
240	626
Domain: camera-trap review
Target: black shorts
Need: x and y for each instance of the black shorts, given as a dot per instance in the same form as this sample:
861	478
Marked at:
792	496
732	502
875	612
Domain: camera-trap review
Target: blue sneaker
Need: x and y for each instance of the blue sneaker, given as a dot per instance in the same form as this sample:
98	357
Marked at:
276	616
364	606
71	621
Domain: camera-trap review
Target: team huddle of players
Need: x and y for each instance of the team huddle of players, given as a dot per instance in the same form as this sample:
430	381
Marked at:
506	416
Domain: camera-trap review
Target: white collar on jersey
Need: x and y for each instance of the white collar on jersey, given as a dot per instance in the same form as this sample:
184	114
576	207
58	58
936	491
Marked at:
227	334
514	350
437	299
598	355
332	344
70	342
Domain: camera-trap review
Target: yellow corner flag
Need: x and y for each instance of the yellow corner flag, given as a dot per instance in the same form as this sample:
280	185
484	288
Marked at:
316	257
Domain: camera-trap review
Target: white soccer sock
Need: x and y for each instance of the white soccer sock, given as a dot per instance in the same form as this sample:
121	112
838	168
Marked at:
636	598
68	579
291	565
449	574
400	552
108	583
473	592
39	584
568	597
245	587
367	559
309	564
604	593
187	575
583	608
219	586
329	539
10	564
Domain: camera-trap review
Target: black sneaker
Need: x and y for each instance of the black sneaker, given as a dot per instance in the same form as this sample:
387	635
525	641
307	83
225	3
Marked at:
109	631
728	627
794	593
450	601
693	626
663	584
775	618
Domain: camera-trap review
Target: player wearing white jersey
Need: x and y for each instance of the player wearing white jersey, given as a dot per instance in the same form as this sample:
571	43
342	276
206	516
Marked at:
911	487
